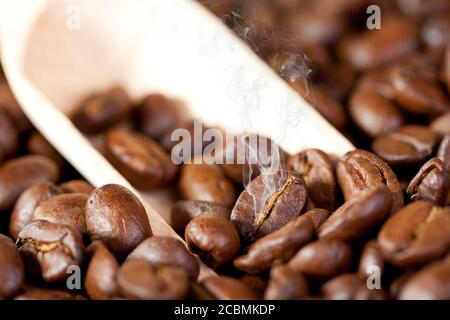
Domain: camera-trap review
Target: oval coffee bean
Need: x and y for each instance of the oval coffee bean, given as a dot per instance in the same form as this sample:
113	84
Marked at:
432	183
139	159
101	275
206	183
49	249
317	216
27	202
186	210
115	216
68	209
166	251
286	284
376	81
359	170
408	145
18	174
350	286
139	279
268	203
371	260
9	137
317	171
373	113
226	288
277	247
322	259
76	186
12	273
416	234
213	238
357	217
444	151
102	111
441	124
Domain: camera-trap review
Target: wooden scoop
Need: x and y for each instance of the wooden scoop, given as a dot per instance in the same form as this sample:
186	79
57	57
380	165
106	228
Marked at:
56	52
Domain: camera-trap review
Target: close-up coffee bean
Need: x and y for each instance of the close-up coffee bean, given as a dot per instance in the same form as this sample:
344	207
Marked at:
371	258
285	284
317	216
441	124
12	274
350	286
76	186
227	288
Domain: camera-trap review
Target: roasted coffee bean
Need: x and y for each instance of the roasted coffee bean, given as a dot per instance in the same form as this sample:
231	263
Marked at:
277	247
408	145
139	159
37	144
359	170
398	283
139	279
226	288
444	151
76	186
213	238
257	283
432	183
9	105
206	182
166	251
418	233
115	216
102	111
285	284
441	125
373	113
322	259
9	137
186	210
378	82
11	269
350	286
49	249
48	294
18	174
317	171
357	217
416	93
101	275
68	209
27	202
430	283
371	258
317	216
374	48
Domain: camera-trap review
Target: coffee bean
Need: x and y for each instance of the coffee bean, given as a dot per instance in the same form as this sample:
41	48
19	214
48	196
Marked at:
416	93
27	202
317	170
18	174
360	169
67	209
409	145
101	111
213	238
317	217
11	269
48	294
371	258
101	275
357	217
9	137
139	279
285	284
37	144
115	216
166	251
139	159
441	124
444	151
76	186
206	183
257	283
430	283
432	183
184	211
378	82
49	249
418	233
350	286
226	288
277	247
398	283
373	113
322	259
268	203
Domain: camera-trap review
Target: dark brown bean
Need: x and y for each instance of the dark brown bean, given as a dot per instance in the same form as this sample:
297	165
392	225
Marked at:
116	217
139	279
12	273
257	283
18	174
350	286
317	216
226	288
27	202
277	247
378	82
371	258
441	125
357	217
139	159
76	186
416	234
398	283
206	183
49	249
9	137
322	259
444	151
285	284
213	238
317	170
268	203
166	251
